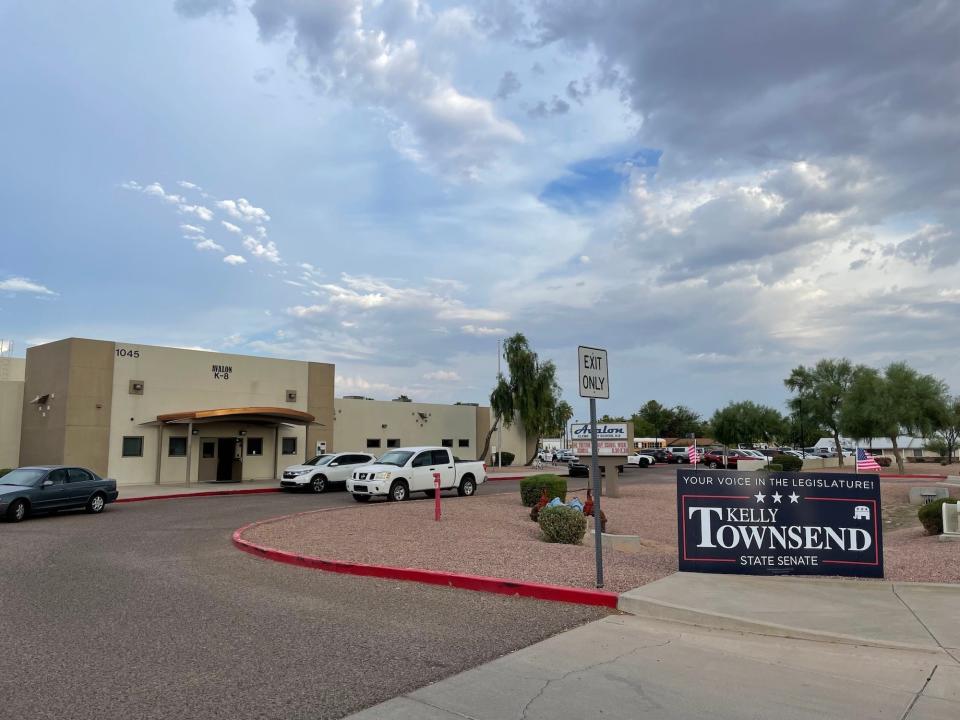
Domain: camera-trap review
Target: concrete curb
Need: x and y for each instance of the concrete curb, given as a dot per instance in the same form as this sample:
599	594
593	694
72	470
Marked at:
658	610
205	493
478	583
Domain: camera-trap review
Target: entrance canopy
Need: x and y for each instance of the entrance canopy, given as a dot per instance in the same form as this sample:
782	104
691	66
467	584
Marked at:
258	415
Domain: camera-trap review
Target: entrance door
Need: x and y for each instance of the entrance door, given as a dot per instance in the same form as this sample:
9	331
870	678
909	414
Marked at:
226	448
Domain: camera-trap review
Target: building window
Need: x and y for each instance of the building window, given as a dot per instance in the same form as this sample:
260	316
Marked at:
447	443
463	443
917	452
373	442
133	446
254	446
288	446
393	442
208	449
177	447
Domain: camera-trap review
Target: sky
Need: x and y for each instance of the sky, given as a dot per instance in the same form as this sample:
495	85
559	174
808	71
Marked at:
715	192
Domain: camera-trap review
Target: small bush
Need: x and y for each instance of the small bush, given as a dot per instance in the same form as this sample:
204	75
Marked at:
773	466
790	463
507	459
562	525
532	487
883	461
931	515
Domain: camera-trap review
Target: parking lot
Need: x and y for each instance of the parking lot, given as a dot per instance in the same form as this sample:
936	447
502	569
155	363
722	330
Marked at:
148	611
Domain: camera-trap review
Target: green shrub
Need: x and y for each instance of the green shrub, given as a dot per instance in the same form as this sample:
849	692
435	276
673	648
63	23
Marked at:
4	471
562	525
532	487
507	459
790	463
776	467
883	461
931	515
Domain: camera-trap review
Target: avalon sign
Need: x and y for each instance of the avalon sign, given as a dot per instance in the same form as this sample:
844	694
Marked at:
779	523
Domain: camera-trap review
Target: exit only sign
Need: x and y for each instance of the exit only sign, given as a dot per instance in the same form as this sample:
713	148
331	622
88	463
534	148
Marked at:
593	372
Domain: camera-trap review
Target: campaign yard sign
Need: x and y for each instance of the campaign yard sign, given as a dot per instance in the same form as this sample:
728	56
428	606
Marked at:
759	523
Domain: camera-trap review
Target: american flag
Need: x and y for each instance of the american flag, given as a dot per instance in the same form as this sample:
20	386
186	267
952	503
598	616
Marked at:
693	455
865	462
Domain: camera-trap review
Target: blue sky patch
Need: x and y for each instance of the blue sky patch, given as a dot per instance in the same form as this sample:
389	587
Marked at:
595	181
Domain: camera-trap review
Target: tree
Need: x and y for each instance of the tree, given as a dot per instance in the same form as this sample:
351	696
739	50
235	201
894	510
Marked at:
501	403
654	415
899	401
821	390
682	421
534	394
561	416
747	422
611	419
946	438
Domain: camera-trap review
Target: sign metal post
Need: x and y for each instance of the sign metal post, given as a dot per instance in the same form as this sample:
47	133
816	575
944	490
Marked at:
594	382
436	496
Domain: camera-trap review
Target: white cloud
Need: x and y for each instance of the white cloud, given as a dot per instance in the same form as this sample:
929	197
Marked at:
208	244
234	260
482	330
259	250
201	211
241	209
23	285
188	185
156	190
193	229
231	227
442	376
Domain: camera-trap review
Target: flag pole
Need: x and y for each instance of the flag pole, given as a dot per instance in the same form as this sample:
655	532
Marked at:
696	456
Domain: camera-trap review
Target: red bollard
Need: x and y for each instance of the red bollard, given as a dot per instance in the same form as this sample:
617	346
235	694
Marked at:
436	497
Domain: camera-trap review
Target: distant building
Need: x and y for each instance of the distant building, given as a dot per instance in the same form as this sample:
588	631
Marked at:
910	447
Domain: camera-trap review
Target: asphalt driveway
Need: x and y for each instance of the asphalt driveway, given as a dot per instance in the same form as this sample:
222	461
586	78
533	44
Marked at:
147	611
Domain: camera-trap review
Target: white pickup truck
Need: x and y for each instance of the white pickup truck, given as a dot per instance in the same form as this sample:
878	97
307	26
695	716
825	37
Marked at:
407	470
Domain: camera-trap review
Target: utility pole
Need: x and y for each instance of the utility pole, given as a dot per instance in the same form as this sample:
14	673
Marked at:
499	424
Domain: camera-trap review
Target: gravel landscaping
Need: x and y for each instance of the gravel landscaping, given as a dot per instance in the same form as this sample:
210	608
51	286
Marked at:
492	535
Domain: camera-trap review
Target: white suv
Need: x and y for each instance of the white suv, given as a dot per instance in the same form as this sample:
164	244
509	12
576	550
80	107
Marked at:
319	472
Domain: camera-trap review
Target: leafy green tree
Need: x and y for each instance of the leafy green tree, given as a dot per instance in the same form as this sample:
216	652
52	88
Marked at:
562	414
681	421
654	415
501	403
898	401
611	419
530	395
821	390
747	422
947	437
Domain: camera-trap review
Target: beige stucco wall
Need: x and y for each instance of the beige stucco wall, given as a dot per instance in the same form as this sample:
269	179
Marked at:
356	421
178	380
43	427
11	409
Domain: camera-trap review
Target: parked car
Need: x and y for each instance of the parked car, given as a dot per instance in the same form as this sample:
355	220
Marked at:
660	454
641	460
407	470
579	469
48	488
320	472
566	456
545	455
755	454
680	453
715	458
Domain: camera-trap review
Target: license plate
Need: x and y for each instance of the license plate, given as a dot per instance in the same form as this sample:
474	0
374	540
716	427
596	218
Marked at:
359	488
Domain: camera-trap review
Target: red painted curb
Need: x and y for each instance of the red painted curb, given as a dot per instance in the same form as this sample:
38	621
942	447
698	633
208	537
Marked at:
206	493
478	583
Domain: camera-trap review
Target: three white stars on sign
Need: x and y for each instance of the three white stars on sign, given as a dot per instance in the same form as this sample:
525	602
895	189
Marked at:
777	497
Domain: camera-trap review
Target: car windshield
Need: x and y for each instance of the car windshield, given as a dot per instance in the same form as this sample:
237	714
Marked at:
23	476
397	457
319	460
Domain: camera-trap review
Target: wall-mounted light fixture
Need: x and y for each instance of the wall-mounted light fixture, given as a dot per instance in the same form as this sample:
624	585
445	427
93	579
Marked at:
242	433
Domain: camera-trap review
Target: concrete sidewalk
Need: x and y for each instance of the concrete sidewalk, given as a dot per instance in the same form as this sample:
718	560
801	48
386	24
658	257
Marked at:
628	667
920	616
129	492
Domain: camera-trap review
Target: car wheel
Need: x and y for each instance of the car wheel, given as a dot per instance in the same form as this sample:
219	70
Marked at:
398	491
467	487
96	504
17	511
644	463
318	483
361	498
712	465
